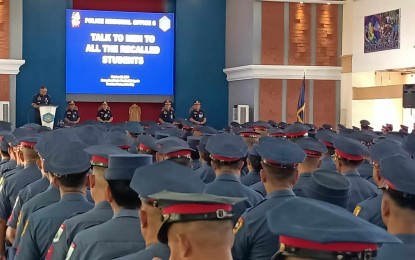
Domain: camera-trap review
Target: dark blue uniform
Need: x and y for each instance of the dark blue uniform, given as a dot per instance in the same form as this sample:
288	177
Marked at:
260	188
50	196
105	115
26	194
159	250
196	164
13	185
8	166
72	115
117	237
43	224
251	178
366	171
197	115
101	213
3	161
206	173
39	99
370	210
361	190
167	115
229	185
327	163
302	182
398	251
253	238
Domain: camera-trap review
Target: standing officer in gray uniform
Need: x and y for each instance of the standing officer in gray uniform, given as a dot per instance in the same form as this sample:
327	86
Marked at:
327	136
398	206
196	226
370	209
102	211
71	177
206	173
253	239
31	190
47	145
121	235
311	229
13	184
147	180
227	152
314	150
254	167
349	155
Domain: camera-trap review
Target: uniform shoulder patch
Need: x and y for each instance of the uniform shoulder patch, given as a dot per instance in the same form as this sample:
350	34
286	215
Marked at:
59	233
238	225
357	210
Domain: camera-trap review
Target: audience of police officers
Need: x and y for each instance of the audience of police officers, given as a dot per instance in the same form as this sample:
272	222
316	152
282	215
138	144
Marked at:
179	189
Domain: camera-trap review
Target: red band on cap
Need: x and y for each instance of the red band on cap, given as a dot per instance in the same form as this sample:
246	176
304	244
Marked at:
250	135
27	144
143	147
334	247
124	147
297	134
225	159
277	134
313	153
179	153
277	164
195	208
349	156
260	128
99	159
327	144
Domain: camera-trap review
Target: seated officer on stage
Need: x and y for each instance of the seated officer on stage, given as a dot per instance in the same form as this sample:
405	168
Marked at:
398	206
121	235
72	114
196	226
349	155
42	98
163	176
280	157
197	115
104	114
227	152
167	113
311	229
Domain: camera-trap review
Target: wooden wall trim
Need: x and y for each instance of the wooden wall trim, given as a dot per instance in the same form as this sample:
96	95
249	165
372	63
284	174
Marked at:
347	63
378	92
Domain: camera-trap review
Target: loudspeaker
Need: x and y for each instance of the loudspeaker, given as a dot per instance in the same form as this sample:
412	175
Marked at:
408	96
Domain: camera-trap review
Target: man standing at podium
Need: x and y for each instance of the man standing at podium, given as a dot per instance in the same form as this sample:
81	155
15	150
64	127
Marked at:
42	98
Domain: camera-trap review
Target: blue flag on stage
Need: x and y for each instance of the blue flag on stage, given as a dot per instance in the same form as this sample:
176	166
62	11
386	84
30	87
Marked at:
301	103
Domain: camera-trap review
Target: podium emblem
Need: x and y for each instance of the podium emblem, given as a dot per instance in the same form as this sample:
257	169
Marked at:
48	118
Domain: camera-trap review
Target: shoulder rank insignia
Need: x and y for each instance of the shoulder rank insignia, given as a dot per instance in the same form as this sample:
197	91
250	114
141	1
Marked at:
357	210
70	251
59	233
238	225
